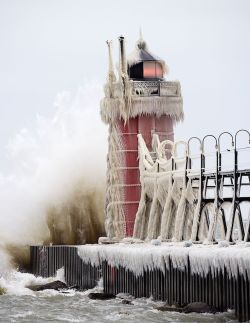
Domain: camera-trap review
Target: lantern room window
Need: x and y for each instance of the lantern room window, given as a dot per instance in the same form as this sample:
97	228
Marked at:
152	70
146	70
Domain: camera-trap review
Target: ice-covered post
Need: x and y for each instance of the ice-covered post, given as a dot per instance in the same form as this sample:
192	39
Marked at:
140	102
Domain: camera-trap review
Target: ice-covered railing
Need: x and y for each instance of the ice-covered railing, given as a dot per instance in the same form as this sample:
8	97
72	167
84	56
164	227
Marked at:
160	88
205	203
134	98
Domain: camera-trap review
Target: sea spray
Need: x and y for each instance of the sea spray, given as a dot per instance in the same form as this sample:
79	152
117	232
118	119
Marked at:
54	188
79	219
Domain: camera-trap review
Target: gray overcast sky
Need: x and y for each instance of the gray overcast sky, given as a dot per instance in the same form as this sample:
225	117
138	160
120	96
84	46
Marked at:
48	46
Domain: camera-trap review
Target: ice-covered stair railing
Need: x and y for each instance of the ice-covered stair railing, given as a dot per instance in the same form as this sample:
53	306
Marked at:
168	196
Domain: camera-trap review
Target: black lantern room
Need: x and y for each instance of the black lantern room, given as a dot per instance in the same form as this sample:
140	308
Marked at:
143	65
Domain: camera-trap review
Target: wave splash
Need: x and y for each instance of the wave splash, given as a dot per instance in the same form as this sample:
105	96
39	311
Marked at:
53	188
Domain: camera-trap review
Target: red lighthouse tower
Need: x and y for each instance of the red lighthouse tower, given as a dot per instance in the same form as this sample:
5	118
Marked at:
142	102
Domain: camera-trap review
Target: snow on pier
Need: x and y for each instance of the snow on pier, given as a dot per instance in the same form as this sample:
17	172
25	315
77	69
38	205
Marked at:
139	257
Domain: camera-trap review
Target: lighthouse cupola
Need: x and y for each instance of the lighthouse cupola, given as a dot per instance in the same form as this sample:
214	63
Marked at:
143	65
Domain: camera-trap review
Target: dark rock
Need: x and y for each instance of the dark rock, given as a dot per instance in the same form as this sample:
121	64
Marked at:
123	313
196	307
127	302
125	296
101	296
73	287
56	285
199	307
169	308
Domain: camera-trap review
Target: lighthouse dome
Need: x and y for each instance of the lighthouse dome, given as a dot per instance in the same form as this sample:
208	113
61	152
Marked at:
142	64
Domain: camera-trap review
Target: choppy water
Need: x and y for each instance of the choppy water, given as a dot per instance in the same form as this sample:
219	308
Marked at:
20	304
51	306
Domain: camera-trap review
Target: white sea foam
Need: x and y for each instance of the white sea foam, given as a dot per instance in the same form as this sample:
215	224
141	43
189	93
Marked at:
15	282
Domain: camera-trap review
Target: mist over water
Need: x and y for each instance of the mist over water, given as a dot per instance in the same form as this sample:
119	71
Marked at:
53	190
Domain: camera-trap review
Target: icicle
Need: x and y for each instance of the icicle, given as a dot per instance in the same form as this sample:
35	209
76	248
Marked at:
115	220
169	212
190	208
213	222
144	256
144	227
197	212
154	214
145	163
180	216
155	142
140	221
231	221
114	109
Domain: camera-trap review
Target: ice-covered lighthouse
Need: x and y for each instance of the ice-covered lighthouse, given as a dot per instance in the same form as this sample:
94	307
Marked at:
137	101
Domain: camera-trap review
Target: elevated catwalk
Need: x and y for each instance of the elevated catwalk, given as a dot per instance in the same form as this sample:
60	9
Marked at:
218	275
203	197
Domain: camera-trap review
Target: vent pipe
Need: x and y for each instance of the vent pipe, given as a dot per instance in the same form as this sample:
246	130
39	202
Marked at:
123	61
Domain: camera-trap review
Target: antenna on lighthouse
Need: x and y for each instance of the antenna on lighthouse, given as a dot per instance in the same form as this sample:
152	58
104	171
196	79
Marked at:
140	34
141	44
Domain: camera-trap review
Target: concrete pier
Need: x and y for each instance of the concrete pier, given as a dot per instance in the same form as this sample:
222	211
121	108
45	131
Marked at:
217	287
